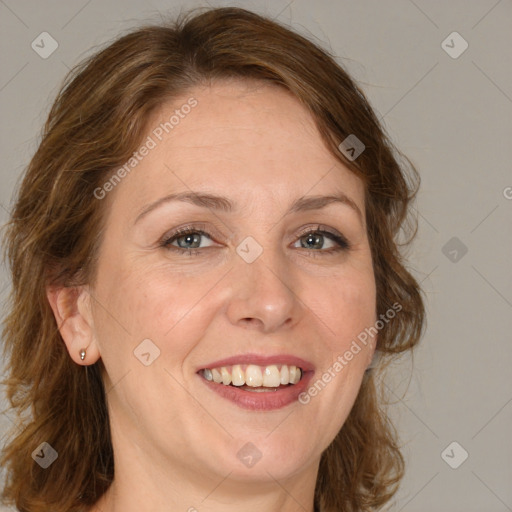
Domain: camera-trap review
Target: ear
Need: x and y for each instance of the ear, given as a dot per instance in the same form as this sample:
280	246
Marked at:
73	313
373	355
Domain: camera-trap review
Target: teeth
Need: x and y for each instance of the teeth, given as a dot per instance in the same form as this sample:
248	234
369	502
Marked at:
293	374
226	377
271	377
237	375
285	375
254	376
216	375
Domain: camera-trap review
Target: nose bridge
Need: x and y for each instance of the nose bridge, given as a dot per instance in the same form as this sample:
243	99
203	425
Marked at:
262	293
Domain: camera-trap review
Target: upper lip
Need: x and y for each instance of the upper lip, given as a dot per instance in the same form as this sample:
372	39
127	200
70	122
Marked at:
261	360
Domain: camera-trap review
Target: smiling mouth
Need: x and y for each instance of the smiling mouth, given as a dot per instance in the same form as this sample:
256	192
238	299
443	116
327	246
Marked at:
253	377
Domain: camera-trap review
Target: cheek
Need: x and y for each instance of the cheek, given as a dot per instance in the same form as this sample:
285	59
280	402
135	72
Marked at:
149	302
175	309
347	305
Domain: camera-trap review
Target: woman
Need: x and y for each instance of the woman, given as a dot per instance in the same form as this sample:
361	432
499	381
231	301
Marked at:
204	267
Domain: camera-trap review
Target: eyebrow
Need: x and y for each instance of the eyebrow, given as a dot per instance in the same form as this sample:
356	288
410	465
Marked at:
221	203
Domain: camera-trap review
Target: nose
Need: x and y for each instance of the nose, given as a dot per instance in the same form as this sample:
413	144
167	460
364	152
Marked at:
262	294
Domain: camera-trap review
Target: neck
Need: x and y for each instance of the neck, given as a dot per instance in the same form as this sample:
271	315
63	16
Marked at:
224	495
147	478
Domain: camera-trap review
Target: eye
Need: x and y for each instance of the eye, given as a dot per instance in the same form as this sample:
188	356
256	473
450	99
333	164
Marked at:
315	239
185	240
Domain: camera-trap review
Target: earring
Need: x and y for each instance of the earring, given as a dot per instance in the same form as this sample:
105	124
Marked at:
82	354
374	362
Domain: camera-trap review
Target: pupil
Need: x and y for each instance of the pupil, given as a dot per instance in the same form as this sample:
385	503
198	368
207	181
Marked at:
193	238
315	240
312	240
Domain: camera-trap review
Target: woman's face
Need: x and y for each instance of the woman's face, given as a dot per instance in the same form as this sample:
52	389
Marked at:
246	283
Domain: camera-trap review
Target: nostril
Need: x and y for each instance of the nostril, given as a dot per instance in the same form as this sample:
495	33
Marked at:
252	321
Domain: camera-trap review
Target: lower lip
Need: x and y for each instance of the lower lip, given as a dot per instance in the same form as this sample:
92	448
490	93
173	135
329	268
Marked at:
261	401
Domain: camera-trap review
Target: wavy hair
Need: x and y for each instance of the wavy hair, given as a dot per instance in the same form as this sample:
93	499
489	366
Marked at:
96	122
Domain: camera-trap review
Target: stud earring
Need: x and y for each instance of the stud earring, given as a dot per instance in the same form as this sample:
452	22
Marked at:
82	354
374	362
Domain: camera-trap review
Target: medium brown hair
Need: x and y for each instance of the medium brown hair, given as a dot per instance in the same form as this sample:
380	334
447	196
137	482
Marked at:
98	119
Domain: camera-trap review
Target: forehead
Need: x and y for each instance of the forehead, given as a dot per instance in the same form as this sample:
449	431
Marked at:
241	138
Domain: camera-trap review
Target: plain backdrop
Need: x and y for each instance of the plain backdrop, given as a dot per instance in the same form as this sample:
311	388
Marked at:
449	108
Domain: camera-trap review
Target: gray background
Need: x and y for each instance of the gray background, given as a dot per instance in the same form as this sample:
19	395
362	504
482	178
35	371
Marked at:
453	118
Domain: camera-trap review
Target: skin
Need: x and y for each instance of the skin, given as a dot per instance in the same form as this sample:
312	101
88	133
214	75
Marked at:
175	441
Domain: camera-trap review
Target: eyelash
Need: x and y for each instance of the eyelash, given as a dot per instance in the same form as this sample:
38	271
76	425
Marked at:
343	244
